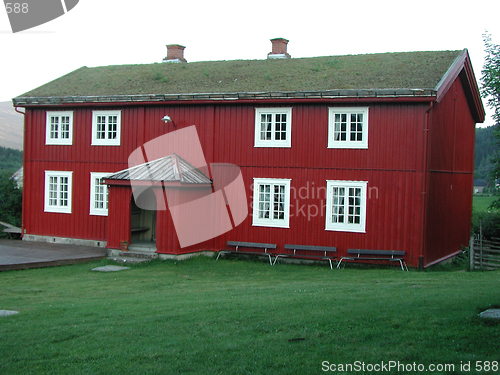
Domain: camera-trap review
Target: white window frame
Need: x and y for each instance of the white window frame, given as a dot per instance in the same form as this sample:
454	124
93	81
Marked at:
271	221
348	143
58	205
106	141
345	226
93	209
54	137
287	142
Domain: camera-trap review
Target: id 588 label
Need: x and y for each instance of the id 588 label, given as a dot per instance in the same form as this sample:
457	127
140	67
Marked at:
17	8
25	14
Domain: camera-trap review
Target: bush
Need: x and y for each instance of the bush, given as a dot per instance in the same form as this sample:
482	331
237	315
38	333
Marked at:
488	222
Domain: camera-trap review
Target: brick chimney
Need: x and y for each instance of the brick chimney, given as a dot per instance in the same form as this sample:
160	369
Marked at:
279	49
175	54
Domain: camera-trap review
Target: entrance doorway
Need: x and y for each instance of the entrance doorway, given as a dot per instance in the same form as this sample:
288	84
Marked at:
143	221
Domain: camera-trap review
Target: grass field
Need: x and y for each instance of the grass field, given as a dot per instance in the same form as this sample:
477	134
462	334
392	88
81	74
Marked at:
482	203
243	317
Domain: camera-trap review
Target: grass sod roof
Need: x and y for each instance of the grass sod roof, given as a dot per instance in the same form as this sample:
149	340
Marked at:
404	70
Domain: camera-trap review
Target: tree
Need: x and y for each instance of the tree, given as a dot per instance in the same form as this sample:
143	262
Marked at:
490	82
10	201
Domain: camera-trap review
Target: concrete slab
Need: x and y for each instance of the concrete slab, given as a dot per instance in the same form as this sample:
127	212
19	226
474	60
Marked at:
8	312
17	254
490	314
110	268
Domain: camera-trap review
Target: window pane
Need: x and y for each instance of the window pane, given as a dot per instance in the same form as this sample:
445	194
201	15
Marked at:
101	127
356	127
280	127
63	191
112	126
279	202
340	127
65	127
338	204
99	194
264	201
54	127
354	216
265	127
52	191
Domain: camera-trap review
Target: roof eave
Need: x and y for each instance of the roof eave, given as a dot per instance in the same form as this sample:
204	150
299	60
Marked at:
236	96
462	67
159	184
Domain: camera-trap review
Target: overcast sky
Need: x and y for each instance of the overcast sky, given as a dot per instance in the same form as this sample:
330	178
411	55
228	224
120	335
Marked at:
110	32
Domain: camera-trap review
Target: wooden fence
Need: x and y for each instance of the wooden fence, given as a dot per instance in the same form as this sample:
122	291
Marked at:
484	254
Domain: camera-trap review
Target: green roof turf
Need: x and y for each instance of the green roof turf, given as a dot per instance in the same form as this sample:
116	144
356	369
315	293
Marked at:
405	70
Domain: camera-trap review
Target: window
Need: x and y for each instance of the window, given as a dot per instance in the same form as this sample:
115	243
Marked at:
59	128
98	195
348	127
271	202
273	127
106	128
346	206
58	191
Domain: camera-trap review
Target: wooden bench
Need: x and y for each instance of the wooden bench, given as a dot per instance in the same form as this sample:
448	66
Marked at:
139	229
253	245
387	255
310	252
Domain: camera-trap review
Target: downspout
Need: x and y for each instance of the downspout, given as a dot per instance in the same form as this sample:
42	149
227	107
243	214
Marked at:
24	171
425	185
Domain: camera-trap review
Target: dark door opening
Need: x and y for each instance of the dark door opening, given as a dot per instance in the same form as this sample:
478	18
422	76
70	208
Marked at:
143	220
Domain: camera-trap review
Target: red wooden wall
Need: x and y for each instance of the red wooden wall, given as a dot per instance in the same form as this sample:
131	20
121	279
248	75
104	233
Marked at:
393	165
451	176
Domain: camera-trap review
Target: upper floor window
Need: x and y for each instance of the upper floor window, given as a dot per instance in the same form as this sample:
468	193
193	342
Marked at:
58	186
59	128
106	128
348	127
98	194
271	202
346	206
273	127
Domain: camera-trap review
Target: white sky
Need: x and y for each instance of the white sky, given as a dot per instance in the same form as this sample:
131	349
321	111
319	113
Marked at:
110	32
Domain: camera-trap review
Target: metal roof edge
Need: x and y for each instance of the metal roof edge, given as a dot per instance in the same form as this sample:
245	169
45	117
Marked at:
138	98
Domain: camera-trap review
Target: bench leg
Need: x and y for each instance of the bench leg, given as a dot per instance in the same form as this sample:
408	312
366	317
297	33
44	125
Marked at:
270	259
218	255
331	265
402	262
339	263
275	259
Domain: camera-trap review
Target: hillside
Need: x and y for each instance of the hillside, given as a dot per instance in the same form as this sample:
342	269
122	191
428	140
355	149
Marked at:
11	127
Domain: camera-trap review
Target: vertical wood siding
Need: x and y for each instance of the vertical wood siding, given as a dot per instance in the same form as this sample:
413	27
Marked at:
451	161
393	165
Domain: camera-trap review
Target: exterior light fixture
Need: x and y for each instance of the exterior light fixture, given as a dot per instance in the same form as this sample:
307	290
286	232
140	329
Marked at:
167	119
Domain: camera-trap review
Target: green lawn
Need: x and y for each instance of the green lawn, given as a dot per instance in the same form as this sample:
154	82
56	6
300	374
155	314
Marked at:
482	203
242	317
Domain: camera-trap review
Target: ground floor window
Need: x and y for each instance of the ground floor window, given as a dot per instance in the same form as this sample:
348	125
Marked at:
346	206
58	187
98	194
271	202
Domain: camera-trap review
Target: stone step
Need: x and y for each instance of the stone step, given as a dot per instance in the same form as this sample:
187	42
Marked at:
138	253
141	249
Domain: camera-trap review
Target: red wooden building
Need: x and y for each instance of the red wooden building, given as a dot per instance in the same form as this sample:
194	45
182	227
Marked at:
367	151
